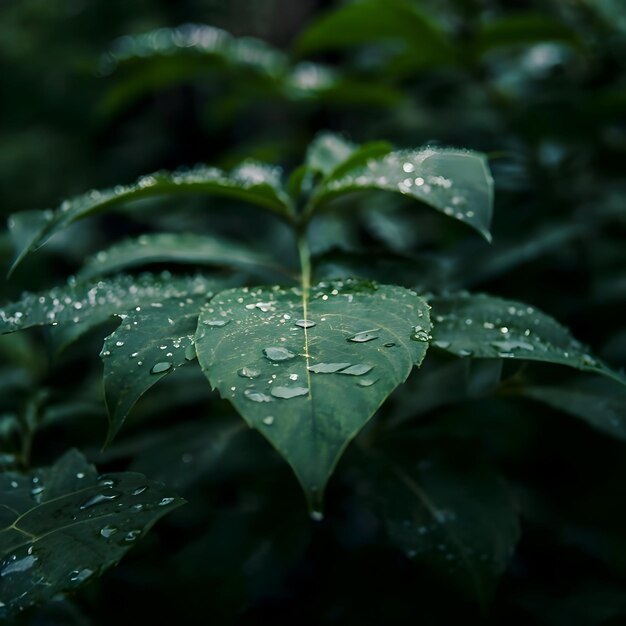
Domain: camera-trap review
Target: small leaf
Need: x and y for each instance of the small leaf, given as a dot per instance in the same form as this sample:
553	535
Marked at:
85	305
367	21
327	151
331	155
148	345
63	525
598	405
199	40
268	362
457	517
481	326
177	248
250	181
455	182
523	29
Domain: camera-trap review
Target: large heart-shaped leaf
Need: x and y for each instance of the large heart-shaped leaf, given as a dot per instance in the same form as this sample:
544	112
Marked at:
482	326
456	182
310	369
455	516
60	526
250	181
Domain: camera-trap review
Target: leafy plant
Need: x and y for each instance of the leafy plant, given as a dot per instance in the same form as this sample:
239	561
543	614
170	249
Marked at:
307	363
400	367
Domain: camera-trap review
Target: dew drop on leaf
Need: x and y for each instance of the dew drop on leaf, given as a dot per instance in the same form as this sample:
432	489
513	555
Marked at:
20	565
161	367
217	322
278	354
327	368
367	382
257	396
289	392
100	498
363	337
305	323
249	372
79	576
108	531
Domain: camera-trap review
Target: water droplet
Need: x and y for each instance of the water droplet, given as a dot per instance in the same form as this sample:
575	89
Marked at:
161	367
257	396
305	323
79	576
289	392
217	323
357	370
108	531
367	382
269	420
327	368
391	344
278	354
100	498
317	516
420	335
249	372
166	501
363	337
132	535
138	491
19	565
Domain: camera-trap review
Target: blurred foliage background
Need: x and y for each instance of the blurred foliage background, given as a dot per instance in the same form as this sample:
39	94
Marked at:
540	86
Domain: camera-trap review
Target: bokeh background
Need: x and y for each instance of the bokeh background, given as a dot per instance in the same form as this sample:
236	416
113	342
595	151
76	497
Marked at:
539	86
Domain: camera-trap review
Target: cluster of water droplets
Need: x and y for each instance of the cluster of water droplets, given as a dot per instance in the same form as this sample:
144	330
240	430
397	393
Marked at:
95	302
418	174
197	39
488	327
281	309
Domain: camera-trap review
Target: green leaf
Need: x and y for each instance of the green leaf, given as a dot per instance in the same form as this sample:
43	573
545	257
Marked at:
309	370
148	345
598	405
367	21
327	151
60	526
77	307
523	29
188	249
197	40
455	516
456	182
250	181
482	326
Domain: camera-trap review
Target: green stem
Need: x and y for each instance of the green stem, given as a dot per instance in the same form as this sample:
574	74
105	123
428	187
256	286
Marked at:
305	261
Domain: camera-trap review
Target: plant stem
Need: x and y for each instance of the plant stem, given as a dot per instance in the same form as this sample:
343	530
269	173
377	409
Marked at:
305	261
